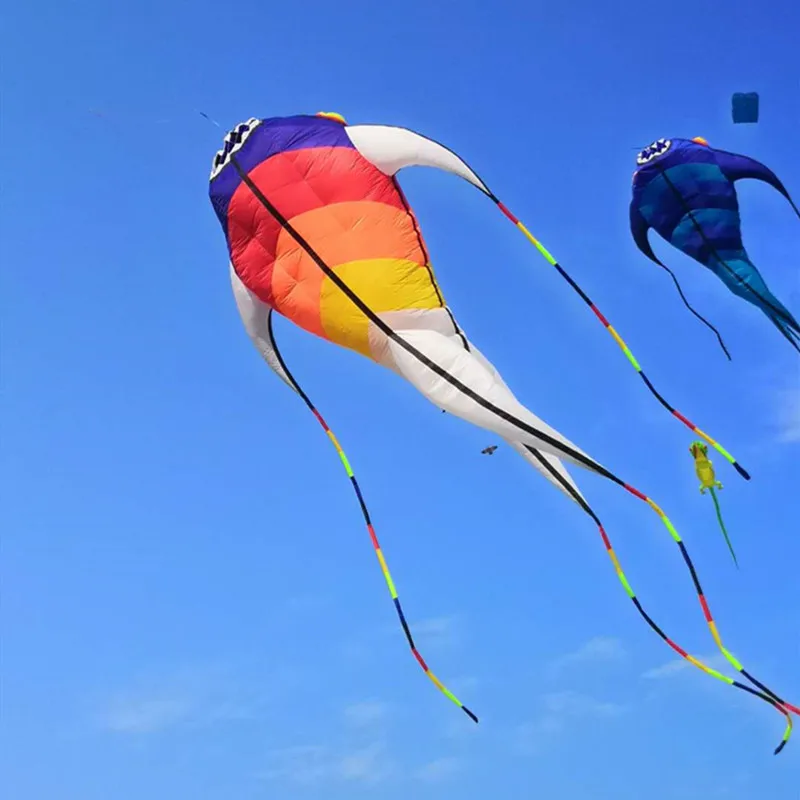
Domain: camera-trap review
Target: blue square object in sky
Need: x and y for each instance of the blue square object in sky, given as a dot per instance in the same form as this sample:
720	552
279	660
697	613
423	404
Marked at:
745	107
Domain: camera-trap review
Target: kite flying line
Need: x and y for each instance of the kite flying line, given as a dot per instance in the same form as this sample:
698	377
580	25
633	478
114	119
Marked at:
769	696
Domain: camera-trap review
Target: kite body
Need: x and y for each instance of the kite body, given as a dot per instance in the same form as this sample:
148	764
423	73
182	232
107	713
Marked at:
334	186
685	191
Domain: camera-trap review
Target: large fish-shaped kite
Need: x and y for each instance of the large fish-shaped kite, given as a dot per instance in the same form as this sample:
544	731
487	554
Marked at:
685	191
319	231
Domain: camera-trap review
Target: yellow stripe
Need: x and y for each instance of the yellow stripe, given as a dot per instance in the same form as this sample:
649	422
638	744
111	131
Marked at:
342	456
655	507
693	660
665	519
535	242
443	689
620	574
710	671
389	581
715	634
716	445
436	681
624	347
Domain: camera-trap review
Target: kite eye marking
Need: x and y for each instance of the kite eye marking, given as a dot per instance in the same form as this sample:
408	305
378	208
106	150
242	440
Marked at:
653	151
234	140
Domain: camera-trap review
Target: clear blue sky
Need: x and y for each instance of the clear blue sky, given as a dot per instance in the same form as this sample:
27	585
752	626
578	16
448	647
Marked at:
191	606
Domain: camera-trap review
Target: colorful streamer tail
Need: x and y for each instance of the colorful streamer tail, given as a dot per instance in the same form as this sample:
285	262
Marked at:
764	695
618	339
374	539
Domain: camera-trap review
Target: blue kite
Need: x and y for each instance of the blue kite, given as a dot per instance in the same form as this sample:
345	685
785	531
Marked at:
684	190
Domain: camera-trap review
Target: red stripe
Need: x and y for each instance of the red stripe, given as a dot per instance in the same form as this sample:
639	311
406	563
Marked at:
419	658
606	540
373	537
635	492
683	419
706	610
319	419
677	649
599	315
507	212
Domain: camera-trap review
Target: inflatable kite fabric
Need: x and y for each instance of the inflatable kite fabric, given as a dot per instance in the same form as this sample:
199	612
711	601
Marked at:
319	231
684	190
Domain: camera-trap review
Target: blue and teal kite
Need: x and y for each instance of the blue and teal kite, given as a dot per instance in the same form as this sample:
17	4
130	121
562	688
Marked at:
684	190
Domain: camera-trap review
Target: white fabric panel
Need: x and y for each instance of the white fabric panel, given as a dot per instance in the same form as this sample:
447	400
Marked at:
390	149
522	449
255	315
449	353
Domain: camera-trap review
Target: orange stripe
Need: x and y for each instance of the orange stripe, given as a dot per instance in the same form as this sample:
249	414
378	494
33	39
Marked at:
351	231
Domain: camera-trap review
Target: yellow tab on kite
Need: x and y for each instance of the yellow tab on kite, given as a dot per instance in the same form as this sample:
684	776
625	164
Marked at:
332	115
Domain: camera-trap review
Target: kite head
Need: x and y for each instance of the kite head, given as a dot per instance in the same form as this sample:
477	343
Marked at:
698	449
653	151
665	153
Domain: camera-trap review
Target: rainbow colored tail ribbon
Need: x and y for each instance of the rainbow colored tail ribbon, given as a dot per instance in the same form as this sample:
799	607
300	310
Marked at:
618	339
765	694
374	539
384	568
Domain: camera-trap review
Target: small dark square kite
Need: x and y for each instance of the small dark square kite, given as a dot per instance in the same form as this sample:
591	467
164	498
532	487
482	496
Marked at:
744	107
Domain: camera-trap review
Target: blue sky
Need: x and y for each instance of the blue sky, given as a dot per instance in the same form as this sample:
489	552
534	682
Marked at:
191	606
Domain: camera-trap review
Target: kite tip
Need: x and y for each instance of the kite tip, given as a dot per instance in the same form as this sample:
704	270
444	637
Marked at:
780	747
741	470
472	716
